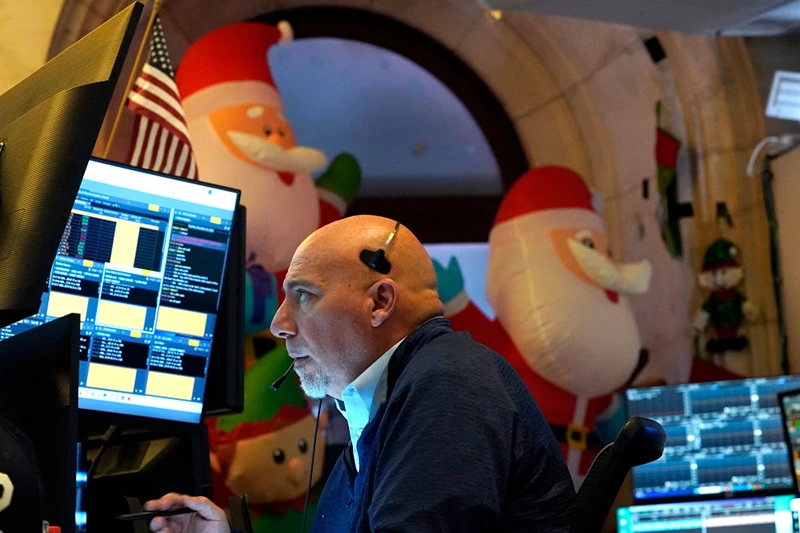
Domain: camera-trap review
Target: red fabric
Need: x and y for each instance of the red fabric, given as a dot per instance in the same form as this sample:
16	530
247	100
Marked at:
327	213
667	148
544	188
236	52
703	371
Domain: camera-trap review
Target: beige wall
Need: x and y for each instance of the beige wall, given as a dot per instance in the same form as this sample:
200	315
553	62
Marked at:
28	28
786	189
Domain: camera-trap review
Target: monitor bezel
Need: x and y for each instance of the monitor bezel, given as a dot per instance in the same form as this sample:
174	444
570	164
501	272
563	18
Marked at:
97	419
724	495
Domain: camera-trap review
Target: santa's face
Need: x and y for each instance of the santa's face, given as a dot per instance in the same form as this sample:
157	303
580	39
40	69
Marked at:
274	467
259	134
248	145
557	293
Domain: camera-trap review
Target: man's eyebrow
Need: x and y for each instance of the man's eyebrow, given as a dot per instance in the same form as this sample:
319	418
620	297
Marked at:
291	284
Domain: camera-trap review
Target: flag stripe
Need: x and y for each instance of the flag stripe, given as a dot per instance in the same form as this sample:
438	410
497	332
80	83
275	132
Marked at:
160	138
168	94
154	106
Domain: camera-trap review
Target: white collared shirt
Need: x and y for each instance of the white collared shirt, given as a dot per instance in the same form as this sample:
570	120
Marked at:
364	396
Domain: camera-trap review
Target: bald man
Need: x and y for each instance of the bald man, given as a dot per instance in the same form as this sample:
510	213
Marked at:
445	437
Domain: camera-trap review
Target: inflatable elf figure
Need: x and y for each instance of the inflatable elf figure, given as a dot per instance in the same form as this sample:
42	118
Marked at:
266	451
726	307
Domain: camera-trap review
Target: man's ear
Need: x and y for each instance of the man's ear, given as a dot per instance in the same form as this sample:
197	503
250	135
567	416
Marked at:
384	301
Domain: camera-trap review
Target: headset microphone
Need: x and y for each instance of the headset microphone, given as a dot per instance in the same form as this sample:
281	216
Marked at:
280	380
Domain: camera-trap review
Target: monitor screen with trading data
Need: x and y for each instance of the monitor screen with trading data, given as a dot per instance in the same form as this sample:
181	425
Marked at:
768	514
723	438
142	260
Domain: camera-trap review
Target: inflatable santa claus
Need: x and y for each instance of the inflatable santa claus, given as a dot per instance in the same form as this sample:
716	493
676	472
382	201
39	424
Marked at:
563	321
241	138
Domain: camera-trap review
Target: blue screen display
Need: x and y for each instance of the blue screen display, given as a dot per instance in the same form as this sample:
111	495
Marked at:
142	261
723	438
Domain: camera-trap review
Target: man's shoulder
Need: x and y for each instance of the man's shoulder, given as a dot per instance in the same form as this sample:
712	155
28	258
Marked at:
452	354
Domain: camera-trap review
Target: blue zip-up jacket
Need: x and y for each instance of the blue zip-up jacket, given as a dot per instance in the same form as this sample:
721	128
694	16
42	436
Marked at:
458	446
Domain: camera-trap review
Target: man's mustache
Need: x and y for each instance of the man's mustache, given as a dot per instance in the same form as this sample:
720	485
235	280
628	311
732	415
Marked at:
631	279
296	159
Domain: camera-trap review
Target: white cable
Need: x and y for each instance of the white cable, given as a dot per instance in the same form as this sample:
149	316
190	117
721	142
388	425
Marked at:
783	144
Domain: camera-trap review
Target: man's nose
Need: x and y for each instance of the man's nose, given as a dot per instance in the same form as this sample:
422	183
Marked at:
282	324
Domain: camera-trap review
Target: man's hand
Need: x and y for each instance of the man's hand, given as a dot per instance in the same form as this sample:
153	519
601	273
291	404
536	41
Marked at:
208	518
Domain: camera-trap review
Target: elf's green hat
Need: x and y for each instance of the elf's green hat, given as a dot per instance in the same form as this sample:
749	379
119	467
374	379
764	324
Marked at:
261	403
721	254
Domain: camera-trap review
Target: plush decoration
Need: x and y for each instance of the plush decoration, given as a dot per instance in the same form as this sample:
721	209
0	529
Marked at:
563	321
242	139
265	452
726	307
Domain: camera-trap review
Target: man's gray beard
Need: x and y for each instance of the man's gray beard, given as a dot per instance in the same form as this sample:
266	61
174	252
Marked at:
314	385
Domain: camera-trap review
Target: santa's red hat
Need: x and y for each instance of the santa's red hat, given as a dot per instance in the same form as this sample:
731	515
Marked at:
545	188
237	52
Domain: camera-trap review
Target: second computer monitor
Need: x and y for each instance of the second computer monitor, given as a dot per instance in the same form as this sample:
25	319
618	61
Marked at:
723	438
142	260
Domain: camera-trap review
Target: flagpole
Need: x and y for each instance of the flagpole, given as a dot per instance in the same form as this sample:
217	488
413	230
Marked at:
137	67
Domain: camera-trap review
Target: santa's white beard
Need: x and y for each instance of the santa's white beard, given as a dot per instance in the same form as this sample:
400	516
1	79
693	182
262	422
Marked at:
568	331
279	216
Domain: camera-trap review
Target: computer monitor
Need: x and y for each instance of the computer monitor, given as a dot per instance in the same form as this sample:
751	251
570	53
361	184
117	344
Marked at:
225	384
790	413
767	514
38	394
49	123
723	439
142	260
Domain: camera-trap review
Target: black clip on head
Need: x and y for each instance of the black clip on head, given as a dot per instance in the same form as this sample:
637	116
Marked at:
376	259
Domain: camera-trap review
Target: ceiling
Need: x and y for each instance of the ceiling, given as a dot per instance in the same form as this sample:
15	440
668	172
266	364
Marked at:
408	131
711	17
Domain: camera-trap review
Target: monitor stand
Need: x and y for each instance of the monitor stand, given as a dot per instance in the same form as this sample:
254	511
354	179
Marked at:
144	464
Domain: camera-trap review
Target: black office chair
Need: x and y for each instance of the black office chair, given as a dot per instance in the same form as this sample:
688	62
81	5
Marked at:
640	441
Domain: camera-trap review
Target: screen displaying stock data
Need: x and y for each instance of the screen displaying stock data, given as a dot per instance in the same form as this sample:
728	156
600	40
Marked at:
142	261
723	438
769	514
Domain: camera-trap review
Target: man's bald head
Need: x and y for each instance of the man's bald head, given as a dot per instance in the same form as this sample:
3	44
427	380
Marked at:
339	314
336	249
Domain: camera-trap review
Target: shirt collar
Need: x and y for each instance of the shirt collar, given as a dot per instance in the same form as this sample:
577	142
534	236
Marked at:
362	398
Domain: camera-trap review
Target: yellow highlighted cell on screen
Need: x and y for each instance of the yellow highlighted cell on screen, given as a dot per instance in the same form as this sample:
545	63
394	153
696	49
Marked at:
136	334
153	207
194	342
88	263
60	304
216	220
121	315
170	385
146	272
181	321
126	236
111	377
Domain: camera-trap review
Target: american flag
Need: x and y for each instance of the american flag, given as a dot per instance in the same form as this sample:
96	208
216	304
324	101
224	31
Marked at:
160	139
